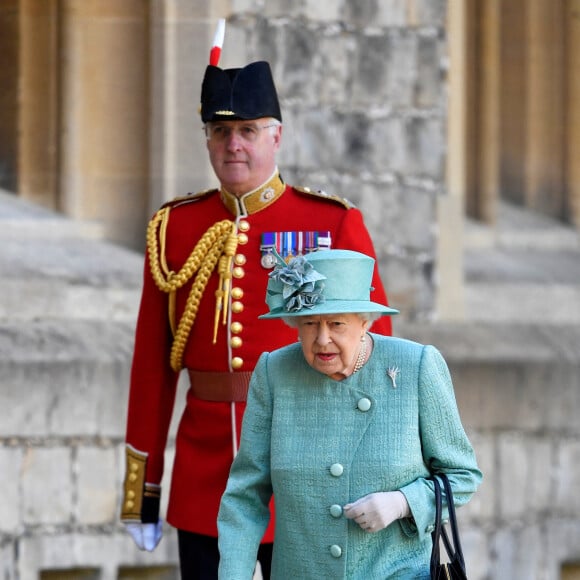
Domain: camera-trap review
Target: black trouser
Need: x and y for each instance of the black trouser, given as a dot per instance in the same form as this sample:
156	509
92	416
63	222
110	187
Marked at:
199	557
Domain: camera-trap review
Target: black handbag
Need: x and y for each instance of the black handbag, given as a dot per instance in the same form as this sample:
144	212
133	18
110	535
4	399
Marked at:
455	568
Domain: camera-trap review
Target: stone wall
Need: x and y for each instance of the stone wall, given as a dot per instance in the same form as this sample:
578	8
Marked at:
363	96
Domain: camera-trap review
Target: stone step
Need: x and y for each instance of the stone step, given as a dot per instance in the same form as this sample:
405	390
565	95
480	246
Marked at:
522	285
58	278
504	303
76	374
20	219
525	268
495	364
53	267
32	299
518	227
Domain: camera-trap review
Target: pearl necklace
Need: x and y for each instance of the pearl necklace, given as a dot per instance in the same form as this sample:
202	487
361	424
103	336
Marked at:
360	359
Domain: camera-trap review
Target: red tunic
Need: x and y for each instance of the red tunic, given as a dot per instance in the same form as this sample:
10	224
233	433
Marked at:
204	450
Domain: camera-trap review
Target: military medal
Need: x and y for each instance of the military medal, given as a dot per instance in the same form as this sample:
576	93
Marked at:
268	260
291	244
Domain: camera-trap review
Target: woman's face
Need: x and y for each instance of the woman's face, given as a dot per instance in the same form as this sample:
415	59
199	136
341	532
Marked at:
331	342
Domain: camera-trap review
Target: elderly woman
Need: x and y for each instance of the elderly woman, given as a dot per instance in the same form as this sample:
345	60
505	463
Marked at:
344	428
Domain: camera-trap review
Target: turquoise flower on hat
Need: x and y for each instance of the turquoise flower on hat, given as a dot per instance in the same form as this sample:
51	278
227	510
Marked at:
302	285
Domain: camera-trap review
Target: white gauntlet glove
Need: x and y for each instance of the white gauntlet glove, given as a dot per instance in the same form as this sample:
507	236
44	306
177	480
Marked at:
146	536
376	511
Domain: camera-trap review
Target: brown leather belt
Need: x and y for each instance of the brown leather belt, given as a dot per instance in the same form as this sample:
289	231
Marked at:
219	386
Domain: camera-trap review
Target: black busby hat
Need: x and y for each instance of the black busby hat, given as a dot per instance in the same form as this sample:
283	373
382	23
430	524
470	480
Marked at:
239	93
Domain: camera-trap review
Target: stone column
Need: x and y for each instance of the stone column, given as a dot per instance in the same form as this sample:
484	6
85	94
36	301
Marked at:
572	110
511	116
9	65
461	177
544	114
105	115
38	102
487	145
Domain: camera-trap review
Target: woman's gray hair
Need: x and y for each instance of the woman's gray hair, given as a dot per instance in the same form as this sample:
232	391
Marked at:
370	317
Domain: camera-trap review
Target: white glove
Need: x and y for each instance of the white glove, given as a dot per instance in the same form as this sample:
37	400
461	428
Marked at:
146	536
376	511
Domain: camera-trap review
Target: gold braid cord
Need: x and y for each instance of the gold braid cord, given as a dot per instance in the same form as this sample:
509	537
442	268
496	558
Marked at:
219	243
223	292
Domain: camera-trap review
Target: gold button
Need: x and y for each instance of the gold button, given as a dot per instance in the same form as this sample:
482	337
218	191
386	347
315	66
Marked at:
132	477
134	466
131	494
239	259
129	504
237	327
243	226
237	307
237	293
236	342
237	362
242	239
238	272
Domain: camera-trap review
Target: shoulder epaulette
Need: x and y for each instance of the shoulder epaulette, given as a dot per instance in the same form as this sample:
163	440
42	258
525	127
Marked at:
324	195
189	198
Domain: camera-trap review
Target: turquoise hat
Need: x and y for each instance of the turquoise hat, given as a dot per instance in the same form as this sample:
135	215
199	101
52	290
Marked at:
322	282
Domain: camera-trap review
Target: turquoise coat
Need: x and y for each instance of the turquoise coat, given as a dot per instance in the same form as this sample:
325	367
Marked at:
318	444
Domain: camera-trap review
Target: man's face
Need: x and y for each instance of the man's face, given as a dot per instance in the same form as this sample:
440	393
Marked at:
243	153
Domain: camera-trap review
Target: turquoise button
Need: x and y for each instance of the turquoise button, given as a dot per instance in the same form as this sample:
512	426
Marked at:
335	510
336	469
364	404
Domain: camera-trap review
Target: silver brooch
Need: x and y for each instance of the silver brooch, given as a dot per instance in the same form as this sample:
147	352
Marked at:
393	372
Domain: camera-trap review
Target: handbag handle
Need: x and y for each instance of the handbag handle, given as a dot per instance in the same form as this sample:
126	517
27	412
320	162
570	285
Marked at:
453	551
458	552
436	534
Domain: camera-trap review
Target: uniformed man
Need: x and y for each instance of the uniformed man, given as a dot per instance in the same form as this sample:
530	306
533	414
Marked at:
206	270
